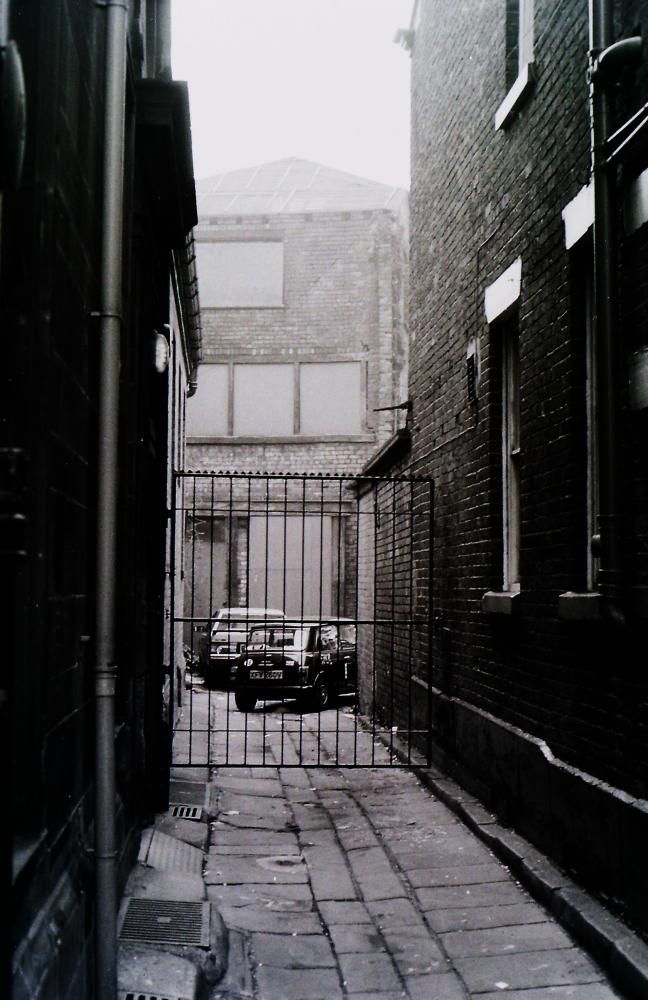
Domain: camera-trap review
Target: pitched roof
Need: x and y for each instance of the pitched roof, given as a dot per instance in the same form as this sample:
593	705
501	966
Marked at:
292	185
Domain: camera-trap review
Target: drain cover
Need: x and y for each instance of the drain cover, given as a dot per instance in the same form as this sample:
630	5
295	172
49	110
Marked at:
148	996
186	811
165	921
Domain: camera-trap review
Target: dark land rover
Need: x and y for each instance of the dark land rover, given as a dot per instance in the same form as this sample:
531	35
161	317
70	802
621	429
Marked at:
312	661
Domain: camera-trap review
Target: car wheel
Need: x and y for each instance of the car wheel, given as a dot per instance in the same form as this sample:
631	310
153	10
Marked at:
245	702
321	695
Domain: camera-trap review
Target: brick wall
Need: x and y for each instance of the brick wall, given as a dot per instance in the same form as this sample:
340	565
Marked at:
507	685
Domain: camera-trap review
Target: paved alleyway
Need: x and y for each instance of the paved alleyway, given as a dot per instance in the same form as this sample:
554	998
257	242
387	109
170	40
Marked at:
338	883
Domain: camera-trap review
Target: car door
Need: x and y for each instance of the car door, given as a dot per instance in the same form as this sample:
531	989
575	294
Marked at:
330	655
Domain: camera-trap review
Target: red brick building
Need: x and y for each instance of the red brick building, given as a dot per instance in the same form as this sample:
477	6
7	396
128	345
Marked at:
303	277
531	418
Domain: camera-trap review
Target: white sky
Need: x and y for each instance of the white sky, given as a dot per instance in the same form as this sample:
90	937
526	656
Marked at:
317	79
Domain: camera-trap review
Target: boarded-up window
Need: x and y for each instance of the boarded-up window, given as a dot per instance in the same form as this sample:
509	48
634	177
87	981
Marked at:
330	398
207	409
235	274
264	400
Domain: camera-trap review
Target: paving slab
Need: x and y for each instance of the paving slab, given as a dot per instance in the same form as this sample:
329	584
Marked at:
538	969
268	896
344	912
475	917
415	952
153	883
350	939
592	991
392	913
445	986
487	894
190	831
332	882
265	869
266	921
298	984
293	951
224	835
142	969
421	878
506	940
363	972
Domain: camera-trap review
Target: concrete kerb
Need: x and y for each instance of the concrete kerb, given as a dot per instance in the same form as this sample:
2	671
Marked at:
622	954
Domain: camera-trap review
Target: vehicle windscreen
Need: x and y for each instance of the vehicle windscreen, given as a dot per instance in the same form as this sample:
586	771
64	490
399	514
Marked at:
347	634
278	638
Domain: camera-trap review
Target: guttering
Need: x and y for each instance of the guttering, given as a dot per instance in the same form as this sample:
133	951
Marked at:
610	577
186	258
116	12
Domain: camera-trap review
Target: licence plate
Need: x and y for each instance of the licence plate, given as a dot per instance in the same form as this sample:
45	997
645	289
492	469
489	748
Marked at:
266	675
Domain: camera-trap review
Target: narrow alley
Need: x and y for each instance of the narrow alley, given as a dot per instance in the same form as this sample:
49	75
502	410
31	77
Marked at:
338	882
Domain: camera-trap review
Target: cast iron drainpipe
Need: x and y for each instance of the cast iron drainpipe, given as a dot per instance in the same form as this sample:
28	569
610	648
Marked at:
605	319
110	333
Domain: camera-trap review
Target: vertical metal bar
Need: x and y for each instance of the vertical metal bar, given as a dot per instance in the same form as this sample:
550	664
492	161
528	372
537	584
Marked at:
105	668
193	599
172	604
283	597
210	611
303	543
393	627
265	587
247	595
357	615
339	593
230	526
605	270
411	625
430	616
321	598
374	627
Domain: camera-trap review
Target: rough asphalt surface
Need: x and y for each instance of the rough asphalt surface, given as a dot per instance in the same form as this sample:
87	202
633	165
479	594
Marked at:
358	883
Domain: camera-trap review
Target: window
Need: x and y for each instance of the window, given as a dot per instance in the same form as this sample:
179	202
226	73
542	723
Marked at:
519	38
207	409
330	398
263	400
240	274
519	58
511	453
278	399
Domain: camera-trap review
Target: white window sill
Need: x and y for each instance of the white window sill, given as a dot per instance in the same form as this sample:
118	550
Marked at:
574	607
516	95
502	602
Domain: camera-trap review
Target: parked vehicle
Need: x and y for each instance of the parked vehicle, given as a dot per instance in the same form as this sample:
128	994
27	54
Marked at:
227	634
310	661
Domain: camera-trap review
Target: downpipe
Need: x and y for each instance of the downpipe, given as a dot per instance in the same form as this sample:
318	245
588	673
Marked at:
116	13
610	577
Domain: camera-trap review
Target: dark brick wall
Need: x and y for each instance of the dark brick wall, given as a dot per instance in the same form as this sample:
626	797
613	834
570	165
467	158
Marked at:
480	198
50	270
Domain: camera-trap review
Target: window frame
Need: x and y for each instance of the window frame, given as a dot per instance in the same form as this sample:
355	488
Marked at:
518	88
364	434
511	507
243	240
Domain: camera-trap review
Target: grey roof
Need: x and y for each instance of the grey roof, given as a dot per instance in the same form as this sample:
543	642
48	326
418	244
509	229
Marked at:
293	185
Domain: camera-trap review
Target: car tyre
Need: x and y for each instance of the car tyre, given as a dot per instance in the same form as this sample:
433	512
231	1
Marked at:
245	702
321	697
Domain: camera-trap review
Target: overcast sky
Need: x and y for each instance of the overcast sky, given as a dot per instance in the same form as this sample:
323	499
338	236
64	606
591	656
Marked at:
317	79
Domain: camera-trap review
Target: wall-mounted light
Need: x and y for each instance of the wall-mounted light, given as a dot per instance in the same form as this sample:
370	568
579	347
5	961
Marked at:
161	352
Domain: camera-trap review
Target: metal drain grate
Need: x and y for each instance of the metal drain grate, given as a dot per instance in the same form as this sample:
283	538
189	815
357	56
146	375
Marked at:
148	996
185	811
165	921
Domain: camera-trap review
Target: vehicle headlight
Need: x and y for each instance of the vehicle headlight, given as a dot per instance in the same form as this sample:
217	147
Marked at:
248	663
